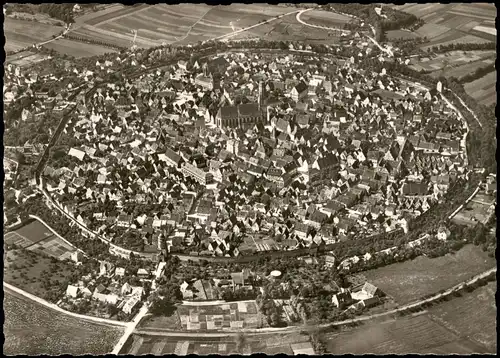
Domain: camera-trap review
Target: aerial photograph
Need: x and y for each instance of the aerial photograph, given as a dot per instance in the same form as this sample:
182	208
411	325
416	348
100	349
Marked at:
240	179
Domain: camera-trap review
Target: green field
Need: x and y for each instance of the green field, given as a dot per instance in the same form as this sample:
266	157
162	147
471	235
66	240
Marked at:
408	281
33	329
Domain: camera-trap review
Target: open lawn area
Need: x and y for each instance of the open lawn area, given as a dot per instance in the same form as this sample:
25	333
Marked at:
483	89
472	315
33	329
415	334
408	281
21	33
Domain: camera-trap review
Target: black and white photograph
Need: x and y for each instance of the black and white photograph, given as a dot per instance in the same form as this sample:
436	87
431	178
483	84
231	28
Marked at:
238	179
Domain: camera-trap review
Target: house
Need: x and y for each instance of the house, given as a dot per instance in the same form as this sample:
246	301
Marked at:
76	256
206	82
72	291
120	271
239	278
329	261
171	158
299	91
142	273
443	233
342	299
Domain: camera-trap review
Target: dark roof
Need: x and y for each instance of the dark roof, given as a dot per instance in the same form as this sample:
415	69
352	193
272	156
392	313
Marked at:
301	87
415	189
249	109
229	112
172	155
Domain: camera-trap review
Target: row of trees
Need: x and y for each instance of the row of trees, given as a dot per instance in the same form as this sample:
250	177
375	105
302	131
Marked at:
463	47
93	41
478	73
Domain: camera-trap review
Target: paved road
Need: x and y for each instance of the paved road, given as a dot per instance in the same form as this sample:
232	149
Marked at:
53	306
297	17
232	34
130	329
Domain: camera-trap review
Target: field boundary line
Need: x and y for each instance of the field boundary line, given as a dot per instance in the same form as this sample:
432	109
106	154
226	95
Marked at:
56	234
59	309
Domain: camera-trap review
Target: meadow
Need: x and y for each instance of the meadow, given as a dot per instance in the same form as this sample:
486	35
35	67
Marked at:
33	329
408	281
21	33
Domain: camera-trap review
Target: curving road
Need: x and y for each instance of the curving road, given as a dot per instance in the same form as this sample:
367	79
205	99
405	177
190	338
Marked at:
297	17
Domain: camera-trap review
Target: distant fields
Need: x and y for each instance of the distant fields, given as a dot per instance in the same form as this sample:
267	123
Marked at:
454	63
33	329
483	89
20	33
453	23
473	315
77	48
183	24
418	334
408	281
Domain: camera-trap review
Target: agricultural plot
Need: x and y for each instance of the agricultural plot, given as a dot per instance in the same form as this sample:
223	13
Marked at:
34	232
77	49
410	280
33	329
400	34
55	247
221	316
454	23
418	334
20	34
483	89
472	315
460	71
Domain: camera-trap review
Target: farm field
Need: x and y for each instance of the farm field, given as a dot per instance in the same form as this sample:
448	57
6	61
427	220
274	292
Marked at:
20	33
472	315
408	281
33	329
76	48
453	23
453	60
25	58
185	23
483	89
29	234
263	343
400	34
416	334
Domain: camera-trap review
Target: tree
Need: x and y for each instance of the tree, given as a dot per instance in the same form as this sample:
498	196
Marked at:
162	307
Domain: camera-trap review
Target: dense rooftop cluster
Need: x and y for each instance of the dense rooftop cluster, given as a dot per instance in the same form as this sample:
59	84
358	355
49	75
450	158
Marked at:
246	152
